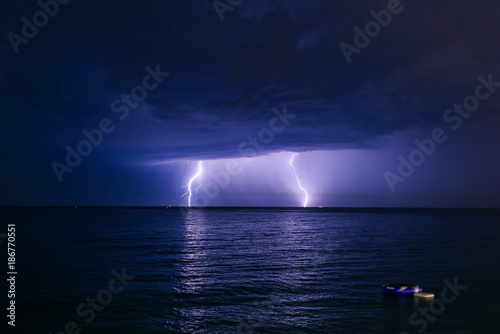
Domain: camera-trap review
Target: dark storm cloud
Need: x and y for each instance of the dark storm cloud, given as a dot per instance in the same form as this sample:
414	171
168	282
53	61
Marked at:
226	77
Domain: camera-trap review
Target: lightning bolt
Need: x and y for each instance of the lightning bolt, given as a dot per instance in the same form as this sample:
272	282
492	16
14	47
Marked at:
189	192
297	178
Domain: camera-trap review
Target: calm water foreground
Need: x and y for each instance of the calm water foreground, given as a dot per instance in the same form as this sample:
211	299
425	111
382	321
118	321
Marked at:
252	271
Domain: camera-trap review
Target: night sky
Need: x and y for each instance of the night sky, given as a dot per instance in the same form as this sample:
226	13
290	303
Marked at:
142	91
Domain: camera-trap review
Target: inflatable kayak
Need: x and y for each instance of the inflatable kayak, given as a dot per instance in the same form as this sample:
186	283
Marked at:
401	288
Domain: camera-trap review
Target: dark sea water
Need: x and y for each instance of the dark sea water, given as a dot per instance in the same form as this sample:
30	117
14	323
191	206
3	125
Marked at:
253	271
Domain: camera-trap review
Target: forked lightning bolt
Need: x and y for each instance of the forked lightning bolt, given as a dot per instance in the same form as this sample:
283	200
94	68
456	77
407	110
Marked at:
297	178
189	192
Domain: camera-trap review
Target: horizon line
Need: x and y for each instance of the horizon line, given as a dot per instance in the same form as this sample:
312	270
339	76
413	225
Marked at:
326	208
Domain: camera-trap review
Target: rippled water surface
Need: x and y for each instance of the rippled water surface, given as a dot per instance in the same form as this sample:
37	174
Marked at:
254	271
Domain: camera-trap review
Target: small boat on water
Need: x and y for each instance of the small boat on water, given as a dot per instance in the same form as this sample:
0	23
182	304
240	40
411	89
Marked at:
401	288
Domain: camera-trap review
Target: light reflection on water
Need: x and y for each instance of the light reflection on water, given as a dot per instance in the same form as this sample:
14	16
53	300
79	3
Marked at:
290	272
257	271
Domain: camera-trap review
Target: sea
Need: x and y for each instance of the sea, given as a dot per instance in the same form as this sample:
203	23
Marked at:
250	270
